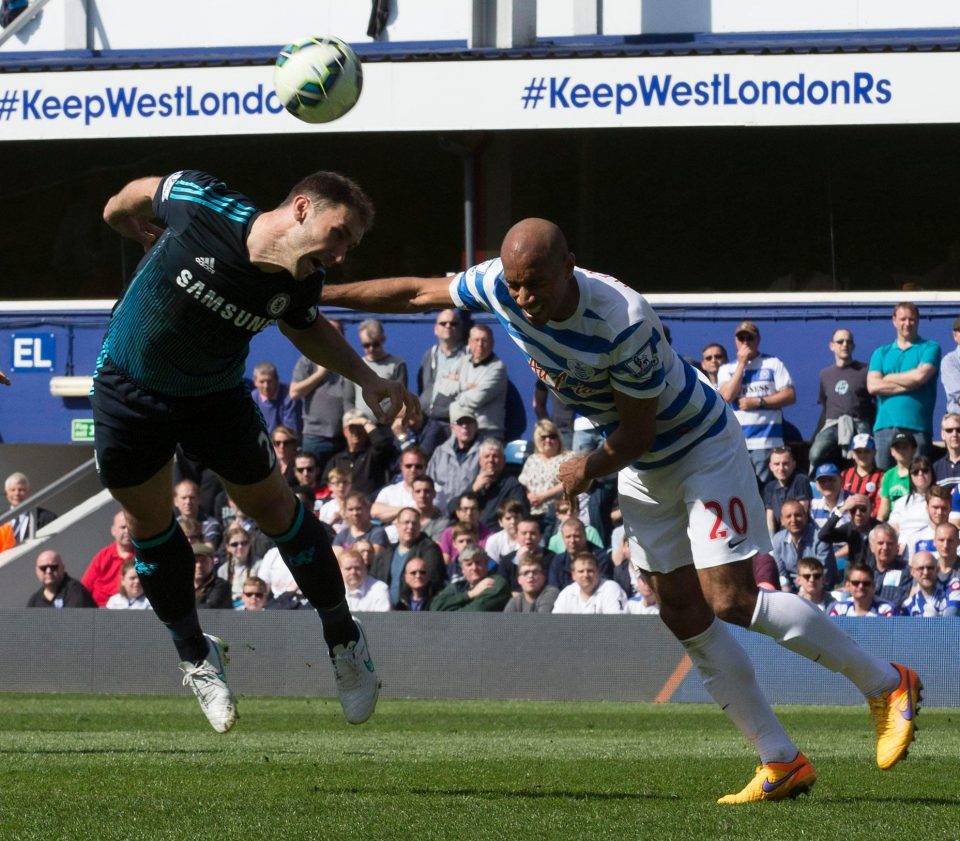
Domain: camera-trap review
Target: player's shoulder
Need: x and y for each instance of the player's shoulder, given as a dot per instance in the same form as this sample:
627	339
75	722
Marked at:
197	189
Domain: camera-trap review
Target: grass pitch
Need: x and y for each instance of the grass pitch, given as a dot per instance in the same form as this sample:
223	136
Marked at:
95	767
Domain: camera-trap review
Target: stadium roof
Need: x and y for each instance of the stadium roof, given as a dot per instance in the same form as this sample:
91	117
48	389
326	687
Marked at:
597	46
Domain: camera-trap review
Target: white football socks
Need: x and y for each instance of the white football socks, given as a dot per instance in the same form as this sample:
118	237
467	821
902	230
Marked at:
728	676
798	625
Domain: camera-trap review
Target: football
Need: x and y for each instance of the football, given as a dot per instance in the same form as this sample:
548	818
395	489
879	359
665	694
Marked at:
318	79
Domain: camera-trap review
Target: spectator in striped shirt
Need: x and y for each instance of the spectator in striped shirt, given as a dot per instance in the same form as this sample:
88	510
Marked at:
758	387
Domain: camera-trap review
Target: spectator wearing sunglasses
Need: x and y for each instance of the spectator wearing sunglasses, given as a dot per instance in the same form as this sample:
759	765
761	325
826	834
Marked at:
286	443
57	589
711	358
438	379
541	471
946	470
758	387
862	599
811	584
386	365
848	408
238	561
254	594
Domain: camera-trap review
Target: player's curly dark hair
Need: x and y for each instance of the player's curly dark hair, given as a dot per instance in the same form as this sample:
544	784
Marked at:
330	188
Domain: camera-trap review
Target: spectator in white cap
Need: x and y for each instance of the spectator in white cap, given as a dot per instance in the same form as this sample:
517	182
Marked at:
863	477
455	463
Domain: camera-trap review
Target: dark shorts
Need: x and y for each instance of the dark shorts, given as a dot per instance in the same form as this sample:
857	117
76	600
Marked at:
136	431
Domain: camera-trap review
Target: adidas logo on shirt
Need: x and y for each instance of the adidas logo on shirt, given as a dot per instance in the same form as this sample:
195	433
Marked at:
206	263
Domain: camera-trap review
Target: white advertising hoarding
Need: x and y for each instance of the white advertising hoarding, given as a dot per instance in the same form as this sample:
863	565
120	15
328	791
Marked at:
738	90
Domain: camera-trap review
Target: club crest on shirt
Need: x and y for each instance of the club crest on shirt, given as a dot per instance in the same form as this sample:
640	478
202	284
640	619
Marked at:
278	303
581	370
643	364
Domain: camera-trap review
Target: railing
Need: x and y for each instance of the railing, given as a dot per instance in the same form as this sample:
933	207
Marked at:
51	490
22	20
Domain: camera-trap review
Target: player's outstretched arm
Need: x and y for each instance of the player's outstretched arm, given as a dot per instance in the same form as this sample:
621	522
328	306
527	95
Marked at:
4	379
394	294
129	212
325	345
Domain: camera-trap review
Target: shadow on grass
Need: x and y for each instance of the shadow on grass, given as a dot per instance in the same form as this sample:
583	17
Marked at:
105	751
613	796
495	794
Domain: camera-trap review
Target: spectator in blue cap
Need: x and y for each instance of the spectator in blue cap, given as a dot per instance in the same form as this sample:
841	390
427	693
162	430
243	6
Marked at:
829	493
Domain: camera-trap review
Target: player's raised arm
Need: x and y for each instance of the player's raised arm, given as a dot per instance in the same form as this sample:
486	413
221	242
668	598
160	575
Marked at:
325	345
129	212
394	294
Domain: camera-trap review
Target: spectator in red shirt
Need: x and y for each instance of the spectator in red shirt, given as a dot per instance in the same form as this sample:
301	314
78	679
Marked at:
102	577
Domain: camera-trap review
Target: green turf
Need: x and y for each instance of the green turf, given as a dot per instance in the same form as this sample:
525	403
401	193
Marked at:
90	767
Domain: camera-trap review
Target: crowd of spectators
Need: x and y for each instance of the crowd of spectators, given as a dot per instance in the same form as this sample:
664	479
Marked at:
434	515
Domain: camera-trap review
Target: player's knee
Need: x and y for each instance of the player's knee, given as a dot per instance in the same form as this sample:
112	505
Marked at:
735	606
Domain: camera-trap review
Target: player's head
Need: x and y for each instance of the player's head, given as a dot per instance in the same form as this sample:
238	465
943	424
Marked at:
329	189
325	215
538	267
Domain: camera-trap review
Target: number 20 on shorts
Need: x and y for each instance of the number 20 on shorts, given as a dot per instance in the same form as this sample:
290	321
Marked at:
737	517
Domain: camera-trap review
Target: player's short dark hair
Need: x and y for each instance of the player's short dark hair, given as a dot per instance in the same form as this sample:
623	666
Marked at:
330	188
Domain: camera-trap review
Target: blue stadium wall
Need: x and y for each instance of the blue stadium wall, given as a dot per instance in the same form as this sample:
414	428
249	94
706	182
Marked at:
67	342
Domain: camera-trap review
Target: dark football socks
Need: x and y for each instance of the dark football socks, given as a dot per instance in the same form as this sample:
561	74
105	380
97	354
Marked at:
306	550
165	566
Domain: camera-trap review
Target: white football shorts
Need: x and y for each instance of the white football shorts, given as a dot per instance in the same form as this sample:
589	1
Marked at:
703	510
